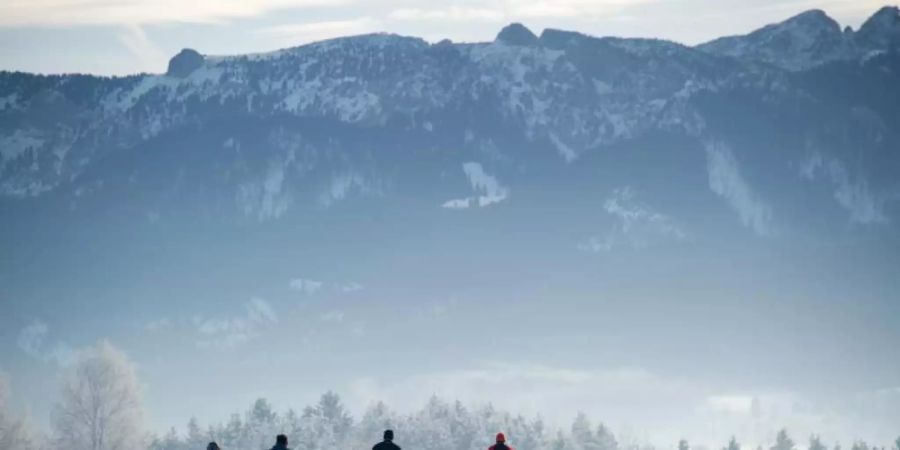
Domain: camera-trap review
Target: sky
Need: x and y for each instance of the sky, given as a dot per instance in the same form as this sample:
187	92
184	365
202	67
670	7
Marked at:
130	36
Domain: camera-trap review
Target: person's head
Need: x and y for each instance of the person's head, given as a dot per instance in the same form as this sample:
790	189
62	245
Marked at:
281	440
212	446
389	435
501	438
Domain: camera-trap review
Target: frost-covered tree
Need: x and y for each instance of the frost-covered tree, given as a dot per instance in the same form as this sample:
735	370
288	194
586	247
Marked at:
605	438
560	442
582	434
260	426
170	441
783	441
683	445
100	407
815	443
733	444
860	445
230	435
429	429
463	428
528	434
14	433
326	425
374	421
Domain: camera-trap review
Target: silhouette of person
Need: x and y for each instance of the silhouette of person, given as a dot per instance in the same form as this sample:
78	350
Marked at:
281	443
212	446
387	443
501	443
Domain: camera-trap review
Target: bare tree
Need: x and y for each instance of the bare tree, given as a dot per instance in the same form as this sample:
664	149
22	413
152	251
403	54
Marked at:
14	434
101	406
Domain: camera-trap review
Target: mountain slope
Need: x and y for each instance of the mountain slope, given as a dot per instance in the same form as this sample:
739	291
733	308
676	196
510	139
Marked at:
375	116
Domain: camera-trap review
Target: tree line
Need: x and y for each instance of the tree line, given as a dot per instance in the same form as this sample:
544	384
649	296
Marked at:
100	409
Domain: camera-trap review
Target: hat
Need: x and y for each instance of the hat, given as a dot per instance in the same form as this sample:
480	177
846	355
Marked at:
501	437
389	435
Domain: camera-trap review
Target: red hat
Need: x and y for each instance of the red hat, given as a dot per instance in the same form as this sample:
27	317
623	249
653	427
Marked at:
501	437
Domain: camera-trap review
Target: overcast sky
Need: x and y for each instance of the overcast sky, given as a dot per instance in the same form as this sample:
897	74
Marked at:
128	36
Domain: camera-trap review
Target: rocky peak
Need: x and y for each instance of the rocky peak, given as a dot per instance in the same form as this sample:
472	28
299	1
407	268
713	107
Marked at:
882	30
184	63
516	34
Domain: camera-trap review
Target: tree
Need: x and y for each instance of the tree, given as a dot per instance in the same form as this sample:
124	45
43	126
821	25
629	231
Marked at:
733	444
101	406
604	438
683	445
195	438
375	420
783	441
326	425
897	443
815	443
260	426
582	434
170	441
14	433
560	442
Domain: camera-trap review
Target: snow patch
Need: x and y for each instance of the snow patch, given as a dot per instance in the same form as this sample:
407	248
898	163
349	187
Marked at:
19	142
854	195
489	188
726	181
636	225
567	152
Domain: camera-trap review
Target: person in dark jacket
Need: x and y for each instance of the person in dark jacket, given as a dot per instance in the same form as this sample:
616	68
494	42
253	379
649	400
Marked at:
387	443
501	443
281	443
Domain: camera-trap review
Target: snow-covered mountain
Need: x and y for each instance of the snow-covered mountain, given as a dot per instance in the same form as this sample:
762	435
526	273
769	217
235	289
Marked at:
788	106
811	39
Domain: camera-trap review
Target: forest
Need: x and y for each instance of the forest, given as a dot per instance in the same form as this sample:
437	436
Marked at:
100	408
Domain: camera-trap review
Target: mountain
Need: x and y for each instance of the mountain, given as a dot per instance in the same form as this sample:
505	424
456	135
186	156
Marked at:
810	39
788	134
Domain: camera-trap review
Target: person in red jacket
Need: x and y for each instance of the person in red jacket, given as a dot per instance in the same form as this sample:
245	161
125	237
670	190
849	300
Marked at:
501	443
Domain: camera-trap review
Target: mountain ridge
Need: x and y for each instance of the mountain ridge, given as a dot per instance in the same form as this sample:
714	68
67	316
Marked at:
543	104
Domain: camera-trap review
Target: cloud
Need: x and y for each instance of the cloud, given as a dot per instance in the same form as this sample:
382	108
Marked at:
637	225
150	56
32	340
854	196
452	13
489	188
317	31
137	12
726	181
233	331
511	10
308	287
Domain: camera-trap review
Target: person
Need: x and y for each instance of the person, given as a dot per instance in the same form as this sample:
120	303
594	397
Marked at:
387	443
501	443
212	446
281	443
